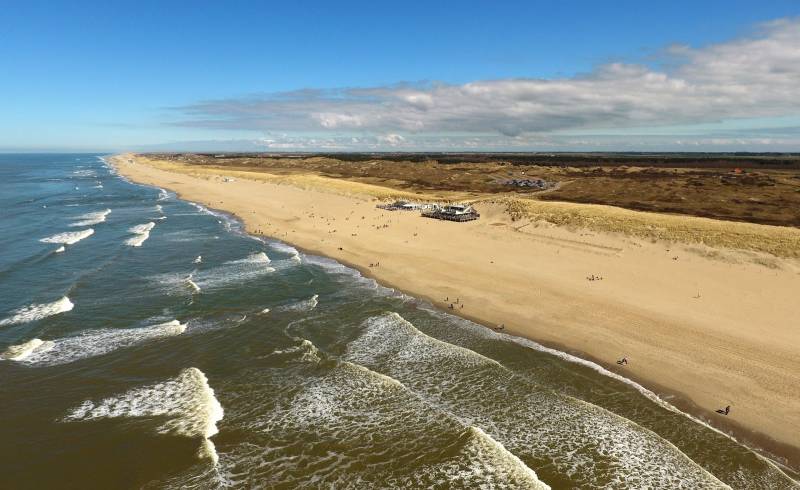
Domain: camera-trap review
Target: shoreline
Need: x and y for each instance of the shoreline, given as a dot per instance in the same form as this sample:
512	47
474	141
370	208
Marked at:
748	434
767	447
780	454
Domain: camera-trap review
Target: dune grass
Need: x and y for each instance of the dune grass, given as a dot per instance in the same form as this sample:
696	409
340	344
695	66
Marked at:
779	241
775	240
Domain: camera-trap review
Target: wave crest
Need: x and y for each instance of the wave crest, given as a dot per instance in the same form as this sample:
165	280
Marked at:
38	311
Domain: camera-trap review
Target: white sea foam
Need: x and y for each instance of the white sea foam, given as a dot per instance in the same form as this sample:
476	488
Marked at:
187	402
590	444
186	236
232	272
69	237
198	260
485	463
193	285
22	351
163	195
38	311
333	267
92	218
200	207
303	305
92	343
285	248
485	332
141	232
84	173
253	258
308	351
60	249
352	406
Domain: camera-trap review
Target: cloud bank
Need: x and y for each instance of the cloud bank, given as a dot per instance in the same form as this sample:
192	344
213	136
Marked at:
753	77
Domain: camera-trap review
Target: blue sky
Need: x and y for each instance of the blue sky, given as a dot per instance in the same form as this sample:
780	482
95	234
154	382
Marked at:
408	75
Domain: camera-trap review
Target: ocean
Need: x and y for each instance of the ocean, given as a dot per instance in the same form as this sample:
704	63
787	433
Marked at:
149	342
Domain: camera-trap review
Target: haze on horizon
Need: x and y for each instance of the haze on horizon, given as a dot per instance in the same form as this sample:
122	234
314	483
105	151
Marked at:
355	76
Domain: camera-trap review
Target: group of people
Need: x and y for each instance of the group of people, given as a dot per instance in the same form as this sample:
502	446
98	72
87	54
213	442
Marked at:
594	278
453	305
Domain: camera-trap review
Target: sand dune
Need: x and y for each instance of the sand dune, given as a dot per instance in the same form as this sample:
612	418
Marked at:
718	326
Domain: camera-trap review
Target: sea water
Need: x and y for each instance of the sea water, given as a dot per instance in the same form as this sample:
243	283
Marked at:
149	342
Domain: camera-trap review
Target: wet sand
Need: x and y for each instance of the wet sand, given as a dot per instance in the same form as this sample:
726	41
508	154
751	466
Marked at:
714	327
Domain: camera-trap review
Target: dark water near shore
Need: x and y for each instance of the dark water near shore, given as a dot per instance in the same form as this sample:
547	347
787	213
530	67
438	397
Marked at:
165	348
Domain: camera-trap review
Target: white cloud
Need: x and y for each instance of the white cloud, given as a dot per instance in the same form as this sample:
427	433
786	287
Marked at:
754	77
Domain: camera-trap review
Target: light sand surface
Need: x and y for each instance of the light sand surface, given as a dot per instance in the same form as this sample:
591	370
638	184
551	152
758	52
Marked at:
717	327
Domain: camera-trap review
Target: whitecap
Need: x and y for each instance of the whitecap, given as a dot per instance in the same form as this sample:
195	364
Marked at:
531	421
187	402
69	237
285	248
22	351
485	463
232	272
333	267
193	285
253	258
304	305
38	311
89	219
92	343
141	232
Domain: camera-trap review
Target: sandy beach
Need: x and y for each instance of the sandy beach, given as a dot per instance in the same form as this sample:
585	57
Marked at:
703	327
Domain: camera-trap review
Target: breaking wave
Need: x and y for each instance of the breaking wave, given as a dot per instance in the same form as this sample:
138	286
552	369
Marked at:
304	305
22	351
287	249
69	237
333	267
483	462
38	311
90	343
253	258
90	219
187	402
232	272
141	232
547	430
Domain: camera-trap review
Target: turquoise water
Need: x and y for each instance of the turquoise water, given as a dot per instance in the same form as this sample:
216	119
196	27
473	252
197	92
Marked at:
162	347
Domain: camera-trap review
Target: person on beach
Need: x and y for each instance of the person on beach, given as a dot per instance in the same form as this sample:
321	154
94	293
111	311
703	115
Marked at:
726	411
622	361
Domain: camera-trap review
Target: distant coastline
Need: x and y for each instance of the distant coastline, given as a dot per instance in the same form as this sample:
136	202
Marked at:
530	277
